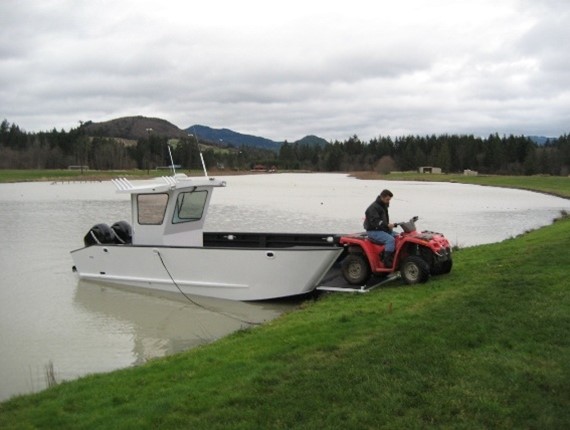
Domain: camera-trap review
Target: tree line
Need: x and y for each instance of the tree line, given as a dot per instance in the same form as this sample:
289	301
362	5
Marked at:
510	155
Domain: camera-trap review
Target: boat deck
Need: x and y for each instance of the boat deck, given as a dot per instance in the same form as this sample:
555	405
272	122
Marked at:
269	240
333	279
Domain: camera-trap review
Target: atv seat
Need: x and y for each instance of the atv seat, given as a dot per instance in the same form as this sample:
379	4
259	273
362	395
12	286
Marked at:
375	242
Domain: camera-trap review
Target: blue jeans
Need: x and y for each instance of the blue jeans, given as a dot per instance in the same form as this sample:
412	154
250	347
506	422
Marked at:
382	237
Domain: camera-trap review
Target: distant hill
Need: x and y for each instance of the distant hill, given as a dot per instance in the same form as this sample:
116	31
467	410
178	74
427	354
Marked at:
541	140
312	140
133	127
136	127
229	137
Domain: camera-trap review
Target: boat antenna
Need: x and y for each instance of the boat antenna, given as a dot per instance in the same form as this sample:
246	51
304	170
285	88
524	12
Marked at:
203	165
201	156
171	161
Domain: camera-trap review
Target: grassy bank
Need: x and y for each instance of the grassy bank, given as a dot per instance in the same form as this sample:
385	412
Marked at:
486	346
58	175
555	185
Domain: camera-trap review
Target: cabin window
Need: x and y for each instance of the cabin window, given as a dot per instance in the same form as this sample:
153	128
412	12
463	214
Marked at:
189	206
151	208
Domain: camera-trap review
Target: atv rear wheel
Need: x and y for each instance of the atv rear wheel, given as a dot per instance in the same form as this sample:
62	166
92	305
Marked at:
355	269
414	270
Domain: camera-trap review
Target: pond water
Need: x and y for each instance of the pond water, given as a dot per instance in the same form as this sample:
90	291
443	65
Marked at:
48	317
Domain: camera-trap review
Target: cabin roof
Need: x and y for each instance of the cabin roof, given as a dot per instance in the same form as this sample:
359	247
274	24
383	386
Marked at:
166	183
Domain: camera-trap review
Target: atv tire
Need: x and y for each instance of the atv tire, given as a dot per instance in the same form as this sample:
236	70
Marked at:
355	269
442	268
414	270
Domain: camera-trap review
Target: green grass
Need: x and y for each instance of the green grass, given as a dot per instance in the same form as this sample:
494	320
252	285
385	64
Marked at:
15	175
555	185
24	175
486	346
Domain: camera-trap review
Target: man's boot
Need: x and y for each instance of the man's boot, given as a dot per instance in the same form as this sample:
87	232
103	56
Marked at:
388	259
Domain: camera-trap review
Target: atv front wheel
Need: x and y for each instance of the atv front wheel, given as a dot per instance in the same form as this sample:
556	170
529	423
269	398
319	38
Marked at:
442	268
355	269
414	270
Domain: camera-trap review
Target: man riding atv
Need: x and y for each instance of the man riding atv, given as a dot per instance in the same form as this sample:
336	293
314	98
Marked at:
378	227
379	251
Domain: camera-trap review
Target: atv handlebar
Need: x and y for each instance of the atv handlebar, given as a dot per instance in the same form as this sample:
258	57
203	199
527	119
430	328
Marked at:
413	219
407	226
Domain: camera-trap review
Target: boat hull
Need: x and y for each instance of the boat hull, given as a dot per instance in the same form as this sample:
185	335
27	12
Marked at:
233	273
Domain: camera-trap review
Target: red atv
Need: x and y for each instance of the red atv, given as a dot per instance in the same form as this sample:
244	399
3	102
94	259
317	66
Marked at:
416	256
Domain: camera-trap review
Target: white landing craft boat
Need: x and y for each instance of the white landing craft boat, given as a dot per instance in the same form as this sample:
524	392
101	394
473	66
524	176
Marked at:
166	248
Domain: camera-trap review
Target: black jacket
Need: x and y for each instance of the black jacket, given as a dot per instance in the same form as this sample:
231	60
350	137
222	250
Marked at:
377	217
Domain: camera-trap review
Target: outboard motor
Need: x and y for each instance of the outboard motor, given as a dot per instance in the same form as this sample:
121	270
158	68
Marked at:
123	232
99	234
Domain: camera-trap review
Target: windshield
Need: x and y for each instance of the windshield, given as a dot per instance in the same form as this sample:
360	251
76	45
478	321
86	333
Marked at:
189	206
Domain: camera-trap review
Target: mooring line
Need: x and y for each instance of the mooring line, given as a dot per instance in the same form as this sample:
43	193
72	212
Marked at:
157	252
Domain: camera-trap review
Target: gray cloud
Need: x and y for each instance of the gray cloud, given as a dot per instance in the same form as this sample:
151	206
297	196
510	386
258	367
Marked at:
286	69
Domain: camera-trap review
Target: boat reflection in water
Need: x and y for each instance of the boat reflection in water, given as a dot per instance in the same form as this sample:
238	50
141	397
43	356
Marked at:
165	323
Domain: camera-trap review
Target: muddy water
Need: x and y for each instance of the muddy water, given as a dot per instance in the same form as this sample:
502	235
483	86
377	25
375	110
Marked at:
47	316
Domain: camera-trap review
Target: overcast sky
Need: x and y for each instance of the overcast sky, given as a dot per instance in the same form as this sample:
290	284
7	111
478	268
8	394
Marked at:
286	69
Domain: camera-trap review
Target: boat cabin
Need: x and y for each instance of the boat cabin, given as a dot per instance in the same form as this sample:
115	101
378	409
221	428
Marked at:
170	212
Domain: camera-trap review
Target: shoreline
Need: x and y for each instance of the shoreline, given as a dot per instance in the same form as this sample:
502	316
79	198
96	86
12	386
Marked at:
526	183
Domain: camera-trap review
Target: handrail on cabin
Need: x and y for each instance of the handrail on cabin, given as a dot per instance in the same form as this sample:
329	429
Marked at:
122	184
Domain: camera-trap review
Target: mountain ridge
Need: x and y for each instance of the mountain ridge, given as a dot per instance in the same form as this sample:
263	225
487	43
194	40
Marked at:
229	137
139	127
133	127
